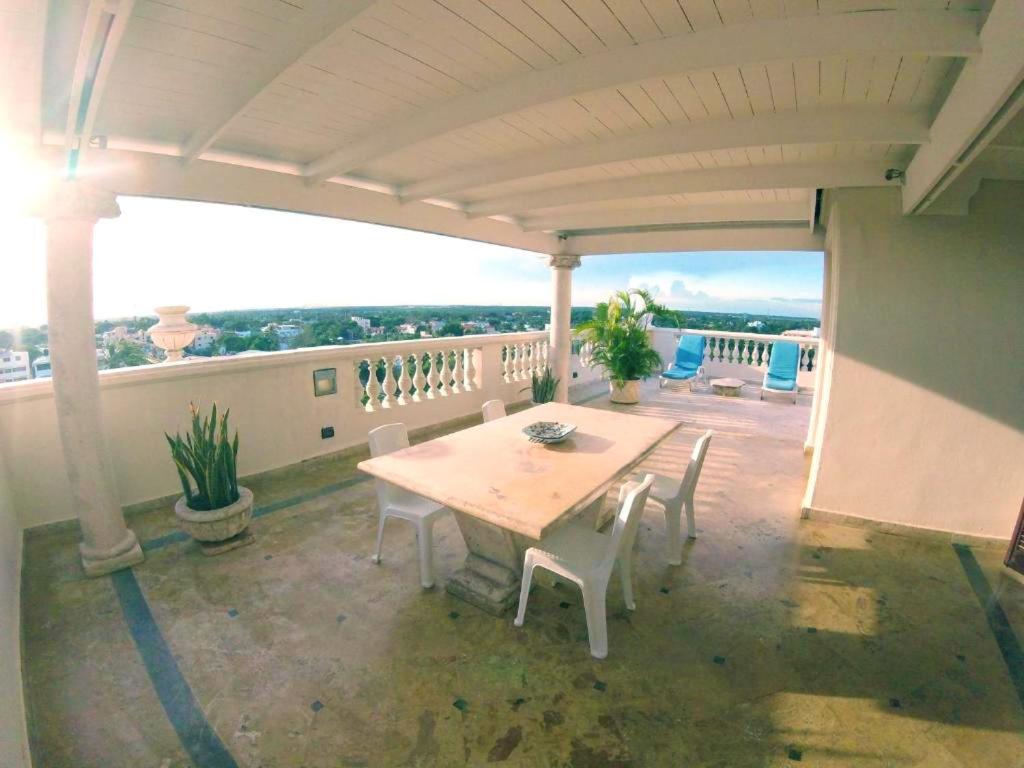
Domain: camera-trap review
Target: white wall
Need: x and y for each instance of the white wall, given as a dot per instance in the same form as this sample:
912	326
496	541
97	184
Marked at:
13	740
272	406
922	423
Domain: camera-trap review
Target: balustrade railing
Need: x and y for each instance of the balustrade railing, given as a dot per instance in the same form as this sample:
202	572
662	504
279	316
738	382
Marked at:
727	353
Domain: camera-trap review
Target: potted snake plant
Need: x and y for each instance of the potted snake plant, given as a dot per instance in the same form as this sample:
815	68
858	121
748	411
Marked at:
214	507
542	387
621	343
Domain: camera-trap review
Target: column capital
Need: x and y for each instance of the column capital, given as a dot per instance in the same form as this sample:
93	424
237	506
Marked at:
76	201
563	260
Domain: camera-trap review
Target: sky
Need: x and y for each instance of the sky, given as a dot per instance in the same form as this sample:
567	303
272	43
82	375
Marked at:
219	257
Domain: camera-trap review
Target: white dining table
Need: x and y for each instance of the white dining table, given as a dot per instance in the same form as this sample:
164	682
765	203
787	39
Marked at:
507	492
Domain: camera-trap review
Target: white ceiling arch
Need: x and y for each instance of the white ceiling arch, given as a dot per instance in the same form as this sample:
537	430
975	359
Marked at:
508	121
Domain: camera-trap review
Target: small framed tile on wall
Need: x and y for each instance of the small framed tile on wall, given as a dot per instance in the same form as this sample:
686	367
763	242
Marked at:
325	382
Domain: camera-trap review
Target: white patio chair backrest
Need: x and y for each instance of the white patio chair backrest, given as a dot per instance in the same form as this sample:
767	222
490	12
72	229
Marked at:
385	439
493	409
632	499
692	475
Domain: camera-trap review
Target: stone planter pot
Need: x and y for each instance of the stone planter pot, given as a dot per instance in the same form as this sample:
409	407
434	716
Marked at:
174	332
627	394
216	524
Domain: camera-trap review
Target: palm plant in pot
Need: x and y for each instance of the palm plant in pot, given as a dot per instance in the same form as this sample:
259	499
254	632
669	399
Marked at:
620	342
214	507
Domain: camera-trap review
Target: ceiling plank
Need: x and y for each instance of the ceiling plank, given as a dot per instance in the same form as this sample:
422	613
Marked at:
959	132
838	125
937	33
611	218
315	29
778	176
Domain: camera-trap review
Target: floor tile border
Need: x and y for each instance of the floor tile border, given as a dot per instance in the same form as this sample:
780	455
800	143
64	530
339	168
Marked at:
197	736
1006	639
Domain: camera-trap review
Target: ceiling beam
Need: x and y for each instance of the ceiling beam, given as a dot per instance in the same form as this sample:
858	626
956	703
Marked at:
91	31
859	125
612	218
768	238
929	33
985	96
313	30
779	176
122	13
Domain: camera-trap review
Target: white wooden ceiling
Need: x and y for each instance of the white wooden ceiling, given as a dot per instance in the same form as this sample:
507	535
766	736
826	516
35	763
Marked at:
565	116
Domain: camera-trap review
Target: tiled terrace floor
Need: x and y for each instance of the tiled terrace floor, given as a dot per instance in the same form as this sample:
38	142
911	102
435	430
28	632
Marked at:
777	642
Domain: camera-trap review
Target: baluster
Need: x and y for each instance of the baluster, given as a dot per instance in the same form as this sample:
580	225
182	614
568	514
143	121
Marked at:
458	377
446	375
388	393
507	363
433	378
470	372
372	386
517	361
404	381
360	388
419	381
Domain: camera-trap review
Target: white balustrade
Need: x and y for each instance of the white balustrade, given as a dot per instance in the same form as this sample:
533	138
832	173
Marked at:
727	353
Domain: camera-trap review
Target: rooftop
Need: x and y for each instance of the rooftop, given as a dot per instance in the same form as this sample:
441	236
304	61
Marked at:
777	640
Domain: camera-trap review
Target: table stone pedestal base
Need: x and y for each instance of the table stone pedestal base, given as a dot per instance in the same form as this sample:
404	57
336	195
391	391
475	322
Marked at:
491	575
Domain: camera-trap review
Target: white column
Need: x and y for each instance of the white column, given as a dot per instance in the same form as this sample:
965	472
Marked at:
71	211
562	265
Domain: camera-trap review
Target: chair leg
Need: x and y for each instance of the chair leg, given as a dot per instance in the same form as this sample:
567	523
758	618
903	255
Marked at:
674	545
597	623
524	592
425	540
380	537
626	575
691	518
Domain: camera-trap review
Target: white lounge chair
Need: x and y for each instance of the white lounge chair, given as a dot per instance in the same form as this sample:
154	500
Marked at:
398	502
493	409
675	496
580	554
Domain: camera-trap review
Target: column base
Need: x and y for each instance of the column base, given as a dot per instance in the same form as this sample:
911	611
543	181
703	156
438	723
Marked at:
102	562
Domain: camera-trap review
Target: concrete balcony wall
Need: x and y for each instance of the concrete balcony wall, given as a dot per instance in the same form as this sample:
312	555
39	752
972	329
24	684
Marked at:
737	355
922	420
272	405
13	738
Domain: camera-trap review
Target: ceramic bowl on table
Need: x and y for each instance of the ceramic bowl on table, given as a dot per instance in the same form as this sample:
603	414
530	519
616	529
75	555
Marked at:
548	431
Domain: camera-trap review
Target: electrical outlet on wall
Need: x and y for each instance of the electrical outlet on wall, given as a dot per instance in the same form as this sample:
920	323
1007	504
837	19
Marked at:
326	432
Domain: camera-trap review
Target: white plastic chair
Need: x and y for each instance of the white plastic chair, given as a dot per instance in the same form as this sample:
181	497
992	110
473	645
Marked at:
578	553
398	502
493	409
675	495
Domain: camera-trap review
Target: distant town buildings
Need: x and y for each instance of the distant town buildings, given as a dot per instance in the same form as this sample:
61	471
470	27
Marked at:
408	328
121	333
41	368
757	325
362	322
205	338
14	366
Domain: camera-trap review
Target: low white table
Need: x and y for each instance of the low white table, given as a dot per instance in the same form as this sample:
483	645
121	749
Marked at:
727	387
507	492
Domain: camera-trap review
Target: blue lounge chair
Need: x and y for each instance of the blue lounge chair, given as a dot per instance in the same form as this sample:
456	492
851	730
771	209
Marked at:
783	365
689	357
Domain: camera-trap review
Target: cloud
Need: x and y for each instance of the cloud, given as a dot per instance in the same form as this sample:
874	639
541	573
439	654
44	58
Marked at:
674	291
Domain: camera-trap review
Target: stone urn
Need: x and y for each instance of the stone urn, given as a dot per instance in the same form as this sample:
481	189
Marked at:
626	392
173	333
216	525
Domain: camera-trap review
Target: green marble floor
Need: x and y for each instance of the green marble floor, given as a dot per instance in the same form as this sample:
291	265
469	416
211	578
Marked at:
778	642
